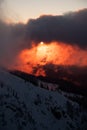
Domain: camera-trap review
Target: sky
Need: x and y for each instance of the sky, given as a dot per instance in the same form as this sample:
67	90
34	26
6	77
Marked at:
39	35
22	10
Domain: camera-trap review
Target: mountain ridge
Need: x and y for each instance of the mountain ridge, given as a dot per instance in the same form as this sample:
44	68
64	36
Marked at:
24	106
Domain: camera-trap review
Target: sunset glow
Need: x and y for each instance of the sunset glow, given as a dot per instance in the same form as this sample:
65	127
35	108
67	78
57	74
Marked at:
57	54
43	64
48	39
41	43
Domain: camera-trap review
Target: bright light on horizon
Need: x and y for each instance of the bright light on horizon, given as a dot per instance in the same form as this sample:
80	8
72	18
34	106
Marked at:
41	43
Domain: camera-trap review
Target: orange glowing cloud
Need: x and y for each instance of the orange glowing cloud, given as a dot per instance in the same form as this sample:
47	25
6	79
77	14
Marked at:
57	54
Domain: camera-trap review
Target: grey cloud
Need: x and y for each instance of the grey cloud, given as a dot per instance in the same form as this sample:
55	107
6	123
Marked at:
70	28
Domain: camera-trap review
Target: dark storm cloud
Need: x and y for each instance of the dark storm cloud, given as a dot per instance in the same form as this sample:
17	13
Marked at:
70	28
11	41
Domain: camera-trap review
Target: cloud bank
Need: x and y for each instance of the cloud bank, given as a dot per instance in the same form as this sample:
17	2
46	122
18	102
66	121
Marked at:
70	28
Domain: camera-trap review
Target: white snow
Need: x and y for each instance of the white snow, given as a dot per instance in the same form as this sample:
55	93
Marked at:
28	107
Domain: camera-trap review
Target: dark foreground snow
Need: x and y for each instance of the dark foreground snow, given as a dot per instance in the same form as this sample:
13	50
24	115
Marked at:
26	107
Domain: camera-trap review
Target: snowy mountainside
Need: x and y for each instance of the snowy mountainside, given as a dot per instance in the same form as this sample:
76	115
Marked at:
26	107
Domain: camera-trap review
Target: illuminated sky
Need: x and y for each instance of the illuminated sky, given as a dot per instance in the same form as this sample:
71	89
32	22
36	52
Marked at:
22	10
44	41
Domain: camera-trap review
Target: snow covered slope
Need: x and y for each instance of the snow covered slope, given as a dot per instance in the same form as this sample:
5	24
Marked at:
24	106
